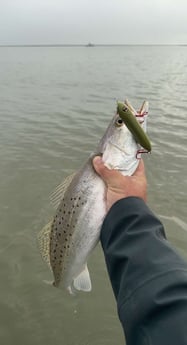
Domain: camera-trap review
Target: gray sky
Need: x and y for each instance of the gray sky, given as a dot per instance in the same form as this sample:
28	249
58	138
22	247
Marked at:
98	21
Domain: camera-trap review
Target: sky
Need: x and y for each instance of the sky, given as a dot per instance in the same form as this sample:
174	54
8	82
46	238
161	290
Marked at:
96	21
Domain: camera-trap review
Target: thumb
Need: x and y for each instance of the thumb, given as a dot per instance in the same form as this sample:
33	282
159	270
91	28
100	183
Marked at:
106	174
140	171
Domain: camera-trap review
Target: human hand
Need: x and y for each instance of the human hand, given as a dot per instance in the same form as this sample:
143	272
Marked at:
119	186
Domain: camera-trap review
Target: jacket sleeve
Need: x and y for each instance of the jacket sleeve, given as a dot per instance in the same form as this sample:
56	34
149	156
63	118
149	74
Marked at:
149	278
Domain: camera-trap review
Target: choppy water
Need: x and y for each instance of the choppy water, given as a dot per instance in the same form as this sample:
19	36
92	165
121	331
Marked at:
54	106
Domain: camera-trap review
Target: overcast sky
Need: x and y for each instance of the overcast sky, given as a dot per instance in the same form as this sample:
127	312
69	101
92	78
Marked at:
97	21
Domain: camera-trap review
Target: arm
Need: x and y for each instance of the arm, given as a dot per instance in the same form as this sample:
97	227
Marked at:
148	277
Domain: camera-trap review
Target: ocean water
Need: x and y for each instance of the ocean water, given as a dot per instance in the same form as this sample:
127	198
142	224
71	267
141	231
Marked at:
55	103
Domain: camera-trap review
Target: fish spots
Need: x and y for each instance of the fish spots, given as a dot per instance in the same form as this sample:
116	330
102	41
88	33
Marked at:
61	235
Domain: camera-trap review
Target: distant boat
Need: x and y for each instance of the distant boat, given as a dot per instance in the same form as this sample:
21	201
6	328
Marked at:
90	45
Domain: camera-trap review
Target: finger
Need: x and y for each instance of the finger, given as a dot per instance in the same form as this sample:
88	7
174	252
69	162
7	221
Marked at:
109	176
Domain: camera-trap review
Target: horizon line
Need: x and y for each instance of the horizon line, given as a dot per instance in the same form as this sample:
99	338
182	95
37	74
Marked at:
92	44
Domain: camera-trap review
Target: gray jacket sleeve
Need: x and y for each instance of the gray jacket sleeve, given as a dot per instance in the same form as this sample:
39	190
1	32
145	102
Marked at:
149	278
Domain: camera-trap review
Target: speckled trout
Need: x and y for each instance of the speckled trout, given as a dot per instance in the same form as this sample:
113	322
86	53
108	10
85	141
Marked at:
68	240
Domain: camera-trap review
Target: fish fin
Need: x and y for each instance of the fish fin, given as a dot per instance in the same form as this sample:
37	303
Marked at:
82	281
60	190
43	242
71	291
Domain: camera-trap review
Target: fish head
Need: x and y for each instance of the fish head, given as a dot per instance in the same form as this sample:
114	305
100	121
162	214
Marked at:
119	147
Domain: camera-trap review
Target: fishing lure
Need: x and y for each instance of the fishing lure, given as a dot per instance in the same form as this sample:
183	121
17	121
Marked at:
126	114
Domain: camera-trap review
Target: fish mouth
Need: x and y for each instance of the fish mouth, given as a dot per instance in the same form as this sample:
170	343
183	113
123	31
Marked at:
127	113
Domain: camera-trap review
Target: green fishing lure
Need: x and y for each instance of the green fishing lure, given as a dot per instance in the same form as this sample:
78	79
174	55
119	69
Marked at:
133	125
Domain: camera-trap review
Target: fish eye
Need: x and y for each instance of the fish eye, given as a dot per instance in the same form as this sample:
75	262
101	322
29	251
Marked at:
125	109
119	122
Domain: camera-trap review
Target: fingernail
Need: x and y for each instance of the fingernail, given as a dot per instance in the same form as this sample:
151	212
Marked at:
97	160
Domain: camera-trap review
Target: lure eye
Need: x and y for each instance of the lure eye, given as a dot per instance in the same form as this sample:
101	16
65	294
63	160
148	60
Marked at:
125	109
119	122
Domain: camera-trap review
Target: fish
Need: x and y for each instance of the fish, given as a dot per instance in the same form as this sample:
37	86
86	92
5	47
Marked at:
68	240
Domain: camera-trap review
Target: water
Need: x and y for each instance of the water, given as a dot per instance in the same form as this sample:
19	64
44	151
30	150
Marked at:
55	105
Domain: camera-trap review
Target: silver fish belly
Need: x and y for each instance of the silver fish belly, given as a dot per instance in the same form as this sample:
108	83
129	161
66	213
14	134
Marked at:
67	241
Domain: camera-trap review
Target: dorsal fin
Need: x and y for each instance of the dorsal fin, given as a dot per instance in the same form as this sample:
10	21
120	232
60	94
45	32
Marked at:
60	190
